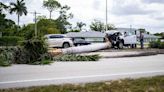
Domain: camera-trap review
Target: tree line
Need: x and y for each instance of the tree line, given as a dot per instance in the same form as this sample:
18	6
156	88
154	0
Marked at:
44	25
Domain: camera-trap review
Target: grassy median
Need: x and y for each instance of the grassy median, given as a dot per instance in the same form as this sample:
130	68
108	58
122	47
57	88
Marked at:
152	84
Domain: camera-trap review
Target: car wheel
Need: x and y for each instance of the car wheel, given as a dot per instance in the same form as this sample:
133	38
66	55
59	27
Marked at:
78	44
66	45
133	46
120	45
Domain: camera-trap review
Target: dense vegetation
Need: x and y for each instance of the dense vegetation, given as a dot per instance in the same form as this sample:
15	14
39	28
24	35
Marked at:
26	47
10	40
5	57
156	44
32	51
152	84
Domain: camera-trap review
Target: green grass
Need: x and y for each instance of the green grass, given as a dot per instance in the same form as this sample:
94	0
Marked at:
43	62
74	57
152	84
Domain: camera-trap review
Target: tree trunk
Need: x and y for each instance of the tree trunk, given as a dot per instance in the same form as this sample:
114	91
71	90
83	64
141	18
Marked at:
50	14
87	48
18	22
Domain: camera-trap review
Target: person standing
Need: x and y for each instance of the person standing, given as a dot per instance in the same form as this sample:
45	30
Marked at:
142	40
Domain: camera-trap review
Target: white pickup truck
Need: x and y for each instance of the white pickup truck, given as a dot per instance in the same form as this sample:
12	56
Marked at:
121	39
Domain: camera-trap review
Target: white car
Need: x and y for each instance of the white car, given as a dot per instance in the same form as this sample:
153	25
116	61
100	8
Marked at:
121	39
58	40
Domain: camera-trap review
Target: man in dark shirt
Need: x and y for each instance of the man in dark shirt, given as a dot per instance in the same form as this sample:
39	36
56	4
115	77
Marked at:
142	40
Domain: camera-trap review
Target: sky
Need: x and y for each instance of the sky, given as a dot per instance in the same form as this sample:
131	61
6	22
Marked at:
148	14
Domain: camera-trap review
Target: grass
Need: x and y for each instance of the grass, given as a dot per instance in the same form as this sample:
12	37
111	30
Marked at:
43	62
74	57
151	84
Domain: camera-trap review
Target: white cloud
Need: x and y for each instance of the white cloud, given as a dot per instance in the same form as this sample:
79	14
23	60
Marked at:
123	13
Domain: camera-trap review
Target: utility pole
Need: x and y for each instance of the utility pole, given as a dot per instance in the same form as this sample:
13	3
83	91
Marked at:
130	27
35	14
106	26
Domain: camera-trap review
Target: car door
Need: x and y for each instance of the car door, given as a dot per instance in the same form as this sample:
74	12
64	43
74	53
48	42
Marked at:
56	40
130	38
59	40
52	41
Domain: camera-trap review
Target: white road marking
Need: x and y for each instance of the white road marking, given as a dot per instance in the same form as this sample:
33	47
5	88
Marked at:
77	77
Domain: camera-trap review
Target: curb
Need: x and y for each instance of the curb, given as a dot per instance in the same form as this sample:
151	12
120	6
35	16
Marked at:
140	54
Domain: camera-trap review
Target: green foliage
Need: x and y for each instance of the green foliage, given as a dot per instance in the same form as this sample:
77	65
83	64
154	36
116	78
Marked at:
44	59
19	8
41	17
160	34
28	32
10	40
44	26
161	45
74	31
51	5
7	26
48	26
32	51
74	57
35	48
62	21
80	25
3	6
5	57
156	44
21	56
97	25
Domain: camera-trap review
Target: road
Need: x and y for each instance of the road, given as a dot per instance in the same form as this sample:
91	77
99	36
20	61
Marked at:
81	72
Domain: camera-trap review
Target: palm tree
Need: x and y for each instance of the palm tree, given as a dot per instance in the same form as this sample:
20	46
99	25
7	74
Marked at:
3	6
80	25
51	5
19	8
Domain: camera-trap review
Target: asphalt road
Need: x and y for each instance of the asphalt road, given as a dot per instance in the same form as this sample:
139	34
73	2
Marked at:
81	72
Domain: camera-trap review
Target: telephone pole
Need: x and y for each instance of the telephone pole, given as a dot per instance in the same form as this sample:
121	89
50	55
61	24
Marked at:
106	26
35	14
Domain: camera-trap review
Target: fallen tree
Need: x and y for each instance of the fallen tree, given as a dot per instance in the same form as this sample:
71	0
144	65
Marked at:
86	48
81	49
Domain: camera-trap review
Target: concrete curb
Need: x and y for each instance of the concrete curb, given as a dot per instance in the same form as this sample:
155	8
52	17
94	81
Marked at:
140	54
112	53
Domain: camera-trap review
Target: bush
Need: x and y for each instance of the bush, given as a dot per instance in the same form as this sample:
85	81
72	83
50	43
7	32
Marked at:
21	56
10	40
156	44
32	51
44	59
35	49
5	57
74	57
161	45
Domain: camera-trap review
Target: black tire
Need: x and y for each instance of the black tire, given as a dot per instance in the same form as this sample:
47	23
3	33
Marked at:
120	45
133	46
66	45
